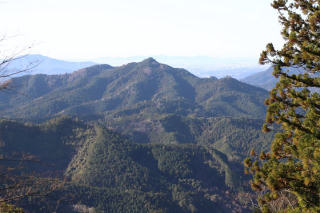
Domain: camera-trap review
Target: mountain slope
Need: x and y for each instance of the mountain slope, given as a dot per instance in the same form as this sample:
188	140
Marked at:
108	172
147	86
113	162
52	143
263	79
235	137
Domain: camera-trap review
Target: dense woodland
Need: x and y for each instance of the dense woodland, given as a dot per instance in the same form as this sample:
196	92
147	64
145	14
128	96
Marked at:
142	137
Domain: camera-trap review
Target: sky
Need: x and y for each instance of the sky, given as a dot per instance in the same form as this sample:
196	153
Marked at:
89	29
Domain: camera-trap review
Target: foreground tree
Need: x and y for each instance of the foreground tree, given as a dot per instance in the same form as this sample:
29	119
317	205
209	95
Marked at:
291	170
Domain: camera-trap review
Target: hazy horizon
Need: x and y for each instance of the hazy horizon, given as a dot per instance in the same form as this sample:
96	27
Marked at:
201	66
86	30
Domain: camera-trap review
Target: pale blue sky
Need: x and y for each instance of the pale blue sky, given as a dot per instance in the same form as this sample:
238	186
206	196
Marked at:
87	29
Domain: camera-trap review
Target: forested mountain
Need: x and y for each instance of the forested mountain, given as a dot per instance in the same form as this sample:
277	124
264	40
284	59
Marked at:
147	86
108	172
144	137
55	141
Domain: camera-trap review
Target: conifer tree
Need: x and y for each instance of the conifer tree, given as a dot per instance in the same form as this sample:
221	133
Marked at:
291	170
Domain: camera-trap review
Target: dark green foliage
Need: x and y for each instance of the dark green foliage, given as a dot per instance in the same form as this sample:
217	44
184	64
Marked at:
139	164
233	136
110	173
165	177
34	157
55	141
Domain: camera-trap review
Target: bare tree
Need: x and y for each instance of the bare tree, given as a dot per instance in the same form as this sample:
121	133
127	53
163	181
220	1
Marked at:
7	58
17	181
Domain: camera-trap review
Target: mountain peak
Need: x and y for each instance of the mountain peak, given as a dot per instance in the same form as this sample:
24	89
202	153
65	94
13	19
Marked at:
150	60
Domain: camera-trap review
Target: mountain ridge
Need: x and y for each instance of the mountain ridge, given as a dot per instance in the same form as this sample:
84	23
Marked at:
202	66
102	88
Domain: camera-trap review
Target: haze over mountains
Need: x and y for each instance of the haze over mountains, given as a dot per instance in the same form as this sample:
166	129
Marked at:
139	137
36	64
201	66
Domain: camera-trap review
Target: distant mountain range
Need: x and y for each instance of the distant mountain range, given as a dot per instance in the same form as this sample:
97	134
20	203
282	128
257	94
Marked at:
36	64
